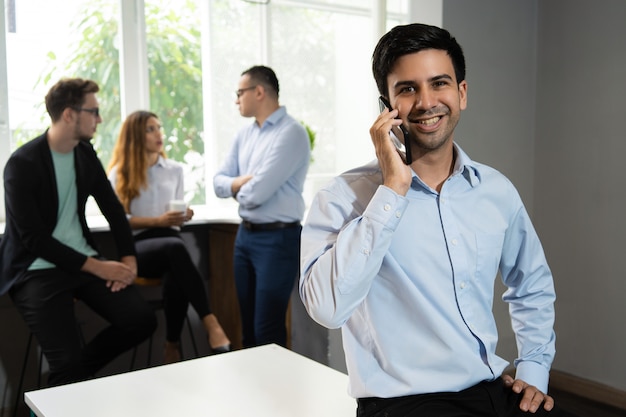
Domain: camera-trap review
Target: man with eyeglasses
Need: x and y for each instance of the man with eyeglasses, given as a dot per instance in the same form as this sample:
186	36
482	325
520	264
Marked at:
49	257
265	172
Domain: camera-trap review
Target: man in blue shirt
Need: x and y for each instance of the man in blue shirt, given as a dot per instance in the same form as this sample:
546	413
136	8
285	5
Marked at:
403	257
265	172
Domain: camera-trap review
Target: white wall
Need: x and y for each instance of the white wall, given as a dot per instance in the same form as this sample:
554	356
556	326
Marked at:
547	81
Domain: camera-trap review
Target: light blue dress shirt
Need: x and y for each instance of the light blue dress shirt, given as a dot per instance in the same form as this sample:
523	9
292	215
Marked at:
277	155
410	280
166	182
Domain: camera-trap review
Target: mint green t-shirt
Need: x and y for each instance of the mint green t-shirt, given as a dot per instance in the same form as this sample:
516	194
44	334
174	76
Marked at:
67	230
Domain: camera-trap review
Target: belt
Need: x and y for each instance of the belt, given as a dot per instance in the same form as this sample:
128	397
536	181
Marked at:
268	226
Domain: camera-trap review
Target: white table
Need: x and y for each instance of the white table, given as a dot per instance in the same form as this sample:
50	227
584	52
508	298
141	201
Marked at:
263	381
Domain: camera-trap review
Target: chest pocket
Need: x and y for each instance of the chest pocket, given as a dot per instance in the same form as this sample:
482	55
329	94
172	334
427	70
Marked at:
488	253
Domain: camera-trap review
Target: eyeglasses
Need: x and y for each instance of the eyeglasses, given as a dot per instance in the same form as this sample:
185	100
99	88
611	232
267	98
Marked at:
95	111
240	92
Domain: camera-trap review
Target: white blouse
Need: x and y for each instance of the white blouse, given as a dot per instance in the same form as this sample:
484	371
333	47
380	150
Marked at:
165	183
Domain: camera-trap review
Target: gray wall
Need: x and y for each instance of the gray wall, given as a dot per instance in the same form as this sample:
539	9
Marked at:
579	184
547	81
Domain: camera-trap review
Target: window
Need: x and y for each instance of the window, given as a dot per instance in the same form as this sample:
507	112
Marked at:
173	45
70	47
195	52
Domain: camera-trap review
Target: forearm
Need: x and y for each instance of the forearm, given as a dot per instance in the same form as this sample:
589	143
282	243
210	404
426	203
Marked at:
93	266
131	262
138	222
118	275
341	257
531	298
239	182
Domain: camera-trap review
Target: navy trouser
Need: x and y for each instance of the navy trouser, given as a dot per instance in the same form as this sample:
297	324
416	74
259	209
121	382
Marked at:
487	399
266	264
45	299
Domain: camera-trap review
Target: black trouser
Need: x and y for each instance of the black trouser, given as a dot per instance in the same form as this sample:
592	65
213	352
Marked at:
45	299
483	400
162	252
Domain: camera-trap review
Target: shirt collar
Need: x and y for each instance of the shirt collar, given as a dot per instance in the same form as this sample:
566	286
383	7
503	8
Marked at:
466	167
276	116
160	161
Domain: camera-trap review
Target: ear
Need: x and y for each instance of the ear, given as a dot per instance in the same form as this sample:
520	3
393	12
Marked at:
68	114
259	91
463	94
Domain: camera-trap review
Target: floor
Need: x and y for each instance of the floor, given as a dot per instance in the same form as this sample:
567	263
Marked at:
583	407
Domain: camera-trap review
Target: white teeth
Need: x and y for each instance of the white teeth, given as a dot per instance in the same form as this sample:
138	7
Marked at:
429	121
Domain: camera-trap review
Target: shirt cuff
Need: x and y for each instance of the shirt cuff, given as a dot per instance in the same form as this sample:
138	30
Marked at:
386	207
534	374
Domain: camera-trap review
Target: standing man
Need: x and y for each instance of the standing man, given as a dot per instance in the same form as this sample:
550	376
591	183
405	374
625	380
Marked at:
49	257
403	257
265	172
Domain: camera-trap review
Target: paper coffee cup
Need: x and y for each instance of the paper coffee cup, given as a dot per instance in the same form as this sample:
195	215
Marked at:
177	205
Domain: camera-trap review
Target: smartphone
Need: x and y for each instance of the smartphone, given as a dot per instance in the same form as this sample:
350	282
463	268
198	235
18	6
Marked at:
399	135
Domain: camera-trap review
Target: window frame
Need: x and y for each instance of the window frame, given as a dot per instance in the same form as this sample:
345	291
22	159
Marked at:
134	77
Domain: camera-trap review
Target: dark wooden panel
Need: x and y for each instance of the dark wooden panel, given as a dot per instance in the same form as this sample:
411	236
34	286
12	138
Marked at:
222	292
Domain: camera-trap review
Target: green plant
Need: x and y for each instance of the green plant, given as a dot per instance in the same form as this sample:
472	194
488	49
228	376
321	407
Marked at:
174	71
312	134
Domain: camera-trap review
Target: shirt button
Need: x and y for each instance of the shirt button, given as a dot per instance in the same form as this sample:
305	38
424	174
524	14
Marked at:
387	207
455	242
462	285
398	214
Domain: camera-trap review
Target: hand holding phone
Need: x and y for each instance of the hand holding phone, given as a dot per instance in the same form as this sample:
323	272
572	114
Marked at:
399	135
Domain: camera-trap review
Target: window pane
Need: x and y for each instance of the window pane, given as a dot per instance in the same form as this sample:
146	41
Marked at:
80	43
235	43
326	81
175	72
398	7
350	3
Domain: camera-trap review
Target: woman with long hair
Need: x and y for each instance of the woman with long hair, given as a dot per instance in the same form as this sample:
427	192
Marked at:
145	182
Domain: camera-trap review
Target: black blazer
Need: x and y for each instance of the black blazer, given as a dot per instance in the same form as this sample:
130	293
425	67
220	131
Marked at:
31	200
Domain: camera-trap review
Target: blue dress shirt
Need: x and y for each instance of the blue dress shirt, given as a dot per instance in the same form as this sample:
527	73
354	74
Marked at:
277	155
410	280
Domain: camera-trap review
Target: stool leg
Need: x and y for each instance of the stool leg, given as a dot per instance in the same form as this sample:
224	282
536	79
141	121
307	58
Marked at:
149	360
132	359
191	336
40	368
20	384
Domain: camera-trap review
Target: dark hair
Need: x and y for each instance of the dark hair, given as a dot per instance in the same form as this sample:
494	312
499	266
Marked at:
68	92
263	75
408	39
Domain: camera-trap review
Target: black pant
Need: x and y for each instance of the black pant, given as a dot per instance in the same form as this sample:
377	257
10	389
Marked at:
45	299
162	252
483	400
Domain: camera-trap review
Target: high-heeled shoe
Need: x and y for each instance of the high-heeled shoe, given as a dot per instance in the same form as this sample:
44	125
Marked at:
221	349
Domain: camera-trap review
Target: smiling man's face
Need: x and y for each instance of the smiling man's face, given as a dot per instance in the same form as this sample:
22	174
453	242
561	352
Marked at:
423	87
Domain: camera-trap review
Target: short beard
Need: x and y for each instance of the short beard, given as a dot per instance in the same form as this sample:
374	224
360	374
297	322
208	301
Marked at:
81	137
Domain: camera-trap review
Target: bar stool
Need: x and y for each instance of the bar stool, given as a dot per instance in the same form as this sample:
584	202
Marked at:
20	384
29	343
157	304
